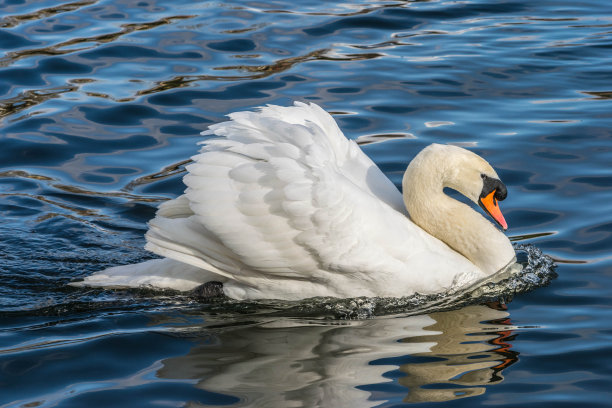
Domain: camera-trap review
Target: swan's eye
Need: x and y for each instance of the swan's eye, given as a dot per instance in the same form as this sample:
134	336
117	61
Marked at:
490	184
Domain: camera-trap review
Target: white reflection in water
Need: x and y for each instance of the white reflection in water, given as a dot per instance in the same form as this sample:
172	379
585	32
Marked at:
441	356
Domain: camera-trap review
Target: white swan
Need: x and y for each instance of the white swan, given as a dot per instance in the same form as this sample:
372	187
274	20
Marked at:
281	205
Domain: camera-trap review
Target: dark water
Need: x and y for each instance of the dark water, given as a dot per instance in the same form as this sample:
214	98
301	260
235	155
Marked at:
102	102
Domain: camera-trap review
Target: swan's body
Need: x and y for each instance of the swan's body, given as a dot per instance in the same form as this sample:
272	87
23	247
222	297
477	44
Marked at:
281	205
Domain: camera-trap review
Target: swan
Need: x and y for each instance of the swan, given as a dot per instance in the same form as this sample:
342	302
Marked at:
280	204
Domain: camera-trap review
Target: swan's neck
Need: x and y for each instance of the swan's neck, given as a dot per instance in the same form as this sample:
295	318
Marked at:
455	223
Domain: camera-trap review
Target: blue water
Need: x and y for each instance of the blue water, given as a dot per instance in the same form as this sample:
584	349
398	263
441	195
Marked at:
102	102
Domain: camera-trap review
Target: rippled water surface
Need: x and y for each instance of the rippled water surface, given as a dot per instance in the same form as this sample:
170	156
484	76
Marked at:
101	104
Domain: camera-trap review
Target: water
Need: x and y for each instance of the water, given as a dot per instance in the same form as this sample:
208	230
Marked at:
102	103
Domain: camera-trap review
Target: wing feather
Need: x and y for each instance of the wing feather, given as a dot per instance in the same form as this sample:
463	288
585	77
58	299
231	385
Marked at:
282	194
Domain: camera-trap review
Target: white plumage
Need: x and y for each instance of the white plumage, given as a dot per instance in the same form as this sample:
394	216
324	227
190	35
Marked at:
281	205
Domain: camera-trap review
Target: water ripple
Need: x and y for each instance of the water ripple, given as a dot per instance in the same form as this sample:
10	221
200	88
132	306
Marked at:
102	103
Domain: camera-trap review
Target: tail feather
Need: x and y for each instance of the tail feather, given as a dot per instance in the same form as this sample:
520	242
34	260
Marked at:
159	273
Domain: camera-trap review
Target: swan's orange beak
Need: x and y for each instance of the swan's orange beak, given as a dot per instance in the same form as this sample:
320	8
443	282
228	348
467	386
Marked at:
489	204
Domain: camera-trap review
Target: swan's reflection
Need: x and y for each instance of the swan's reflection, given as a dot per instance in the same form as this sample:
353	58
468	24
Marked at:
471	349
441	356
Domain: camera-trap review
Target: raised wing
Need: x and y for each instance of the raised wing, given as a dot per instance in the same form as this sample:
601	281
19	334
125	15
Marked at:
281	196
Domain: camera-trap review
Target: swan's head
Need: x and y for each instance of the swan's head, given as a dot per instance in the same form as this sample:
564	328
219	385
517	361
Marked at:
493	190
462	170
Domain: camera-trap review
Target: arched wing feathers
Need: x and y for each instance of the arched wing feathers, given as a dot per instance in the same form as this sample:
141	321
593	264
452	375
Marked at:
279	192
